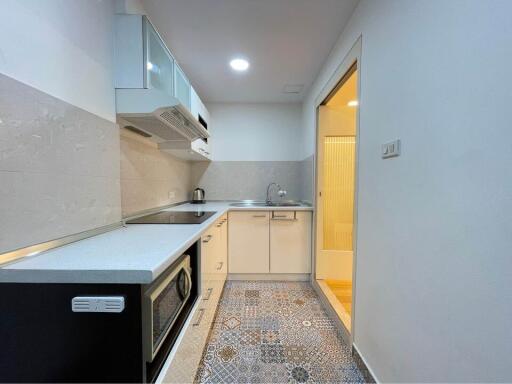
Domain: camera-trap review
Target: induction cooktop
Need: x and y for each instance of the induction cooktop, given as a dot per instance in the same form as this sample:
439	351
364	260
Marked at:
168	217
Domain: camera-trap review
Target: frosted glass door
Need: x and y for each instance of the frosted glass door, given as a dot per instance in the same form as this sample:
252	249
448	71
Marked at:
182	90
159	62
338	192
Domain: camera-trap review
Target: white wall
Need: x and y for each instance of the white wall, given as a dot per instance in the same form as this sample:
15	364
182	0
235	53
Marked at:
433	293
61	47
255	132
59	144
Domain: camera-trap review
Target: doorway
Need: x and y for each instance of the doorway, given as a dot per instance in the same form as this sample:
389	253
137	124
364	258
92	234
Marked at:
336	168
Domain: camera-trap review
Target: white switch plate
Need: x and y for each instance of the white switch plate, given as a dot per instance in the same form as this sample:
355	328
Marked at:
391	149
172	195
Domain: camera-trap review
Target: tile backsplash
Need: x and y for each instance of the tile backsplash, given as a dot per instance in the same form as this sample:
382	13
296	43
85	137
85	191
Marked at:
151	178
59	168
238	180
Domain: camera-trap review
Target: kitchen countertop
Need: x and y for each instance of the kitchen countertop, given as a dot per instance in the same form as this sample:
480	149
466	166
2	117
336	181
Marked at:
135	254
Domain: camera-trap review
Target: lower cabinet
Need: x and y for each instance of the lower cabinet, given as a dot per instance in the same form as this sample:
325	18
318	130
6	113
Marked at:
249	242
269	242
290	242
185	362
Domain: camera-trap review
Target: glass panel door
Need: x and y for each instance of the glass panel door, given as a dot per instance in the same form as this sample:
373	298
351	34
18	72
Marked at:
159	62
182	90
338	192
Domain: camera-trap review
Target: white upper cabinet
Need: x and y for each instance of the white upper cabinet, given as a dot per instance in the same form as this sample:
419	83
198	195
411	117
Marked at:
198	109
153	94
138	43
160	65
182	88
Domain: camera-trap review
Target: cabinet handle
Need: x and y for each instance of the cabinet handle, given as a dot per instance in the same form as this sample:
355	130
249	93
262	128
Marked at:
221	263
209	290
207	239
284	217
199	317
256	216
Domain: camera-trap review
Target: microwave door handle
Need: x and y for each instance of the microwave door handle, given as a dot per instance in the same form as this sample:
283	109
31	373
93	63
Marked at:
188	284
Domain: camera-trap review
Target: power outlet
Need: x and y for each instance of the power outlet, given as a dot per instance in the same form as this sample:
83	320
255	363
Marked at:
172	195
391	149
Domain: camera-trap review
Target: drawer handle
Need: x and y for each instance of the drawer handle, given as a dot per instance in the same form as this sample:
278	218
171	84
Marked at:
207	239
284	217
257	216
209	290
199	317
221	264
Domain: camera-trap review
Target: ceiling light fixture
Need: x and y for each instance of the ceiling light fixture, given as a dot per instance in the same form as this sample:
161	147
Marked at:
239	64
353	103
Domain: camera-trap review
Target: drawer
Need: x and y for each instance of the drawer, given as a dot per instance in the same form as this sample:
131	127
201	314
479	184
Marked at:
211	294
188	355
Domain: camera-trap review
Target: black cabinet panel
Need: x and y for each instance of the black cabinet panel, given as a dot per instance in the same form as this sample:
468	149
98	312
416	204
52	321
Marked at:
42	340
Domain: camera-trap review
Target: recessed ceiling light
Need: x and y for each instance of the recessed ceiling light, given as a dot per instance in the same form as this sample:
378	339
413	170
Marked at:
239	64
353	103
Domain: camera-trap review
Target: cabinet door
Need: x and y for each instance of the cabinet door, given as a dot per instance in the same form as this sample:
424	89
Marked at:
290	242
222	253
207	259
159	63
182	86
248	249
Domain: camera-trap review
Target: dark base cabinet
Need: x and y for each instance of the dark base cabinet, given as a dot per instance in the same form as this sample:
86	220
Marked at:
43	340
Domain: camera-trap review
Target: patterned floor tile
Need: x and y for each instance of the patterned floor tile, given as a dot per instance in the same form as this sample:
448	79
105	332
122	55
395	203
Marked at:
274	332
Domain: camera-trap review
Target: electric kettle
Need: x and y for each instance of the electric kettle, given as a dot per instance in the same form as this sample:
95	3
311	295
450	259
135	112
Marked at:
198	196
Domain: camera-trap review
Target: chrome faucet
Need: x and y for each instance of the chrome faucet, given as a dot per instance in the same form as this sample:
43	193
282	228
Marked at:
280	192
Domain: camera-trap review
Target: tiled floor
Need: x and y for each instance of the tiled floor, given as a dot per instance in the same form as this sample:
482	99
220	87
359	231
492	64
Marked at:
274	332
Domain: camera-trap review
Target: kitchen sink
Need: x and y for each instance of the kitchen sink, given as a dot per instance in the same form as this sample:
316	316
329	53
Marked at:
248	204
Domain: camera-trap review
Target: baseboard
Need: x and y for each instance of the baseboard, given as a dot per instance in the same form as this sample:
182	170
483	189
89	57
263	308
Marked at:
270	276
342	330
364	368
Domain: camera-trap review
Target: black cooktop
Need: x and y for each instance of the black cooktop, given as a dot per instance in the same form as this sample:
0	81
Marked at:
168	217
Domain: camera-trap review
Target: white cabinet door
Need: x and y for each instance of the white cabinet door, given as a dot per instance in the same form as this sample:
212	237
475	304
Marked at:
221	265
248	242
290	242
159	63
207	258
181	86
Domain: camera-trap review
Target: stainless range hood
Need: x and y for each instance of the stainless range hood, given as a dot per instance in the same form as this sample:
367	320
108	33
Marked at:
158	114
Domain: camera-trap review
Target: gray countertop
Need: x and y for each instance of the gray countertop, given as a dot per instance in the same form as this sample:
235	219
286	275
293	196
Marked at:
135	254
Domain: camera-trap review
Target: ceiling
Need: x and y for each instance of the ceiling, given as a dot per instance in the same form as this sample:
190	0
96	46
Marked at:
285	41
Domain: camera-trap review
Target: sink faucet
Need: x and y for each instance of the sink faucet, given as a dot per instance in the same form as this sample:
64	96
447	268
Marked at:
280	192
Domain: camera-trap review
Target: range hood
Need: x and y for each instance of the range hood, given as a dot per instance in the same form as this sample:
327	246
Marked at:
161	116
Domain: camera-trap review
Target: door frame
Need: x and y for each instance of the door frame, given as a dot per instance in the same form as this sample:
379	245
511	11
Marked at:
353	57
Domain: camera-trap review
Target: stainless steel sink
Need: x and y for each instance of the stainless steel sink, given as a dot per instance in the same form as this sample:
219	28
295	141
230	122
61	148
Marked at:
248	204
288	203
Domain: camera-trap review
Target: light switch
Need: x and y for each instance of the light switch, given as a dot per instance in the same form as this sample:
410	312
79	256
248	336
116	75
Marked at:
391	149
